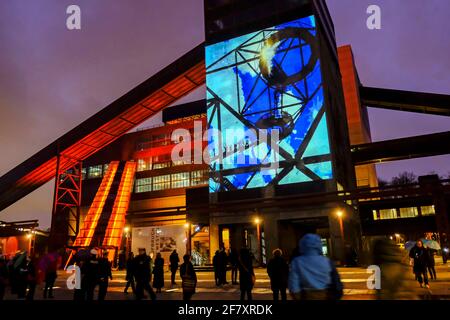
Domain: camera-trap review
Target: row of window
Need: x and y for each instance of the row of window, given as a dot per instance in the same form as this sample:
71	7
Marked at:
158	163
93	172
399	213
172	181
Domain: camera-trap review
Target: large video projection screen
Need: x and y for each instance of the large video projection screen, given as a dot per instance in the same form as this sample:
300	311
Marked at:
268	80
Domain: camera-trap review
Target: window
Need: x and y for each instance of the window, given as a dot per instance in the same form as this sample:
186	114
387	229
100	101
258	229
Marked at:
375	214
83	173
144	164
180	163
410	212
161	165
180	180
143	185
388	214
199	177
95	171
105	168
161	182
427	210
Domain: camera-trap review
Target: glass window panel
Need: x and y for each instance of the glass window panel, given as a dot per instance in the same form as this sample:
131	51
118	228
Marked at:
161	182
388	214
410	212
143	185
161	165
95	172
144	164
199	177
427	210
375	216
180	180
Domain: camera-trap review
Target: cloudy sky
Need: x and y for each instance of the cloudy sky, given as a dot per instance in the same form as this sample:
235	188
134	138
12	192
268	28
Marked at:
51	79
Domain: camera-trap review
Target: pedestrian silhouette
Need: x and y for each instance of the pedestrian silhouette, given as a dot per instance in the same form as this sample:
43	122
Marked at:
158	272
174	260
247	277
189	278
278	271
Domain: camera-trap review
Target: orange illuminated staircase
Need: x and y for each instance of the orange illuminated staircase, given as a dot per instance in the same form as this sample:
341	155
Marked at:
105	220
116	224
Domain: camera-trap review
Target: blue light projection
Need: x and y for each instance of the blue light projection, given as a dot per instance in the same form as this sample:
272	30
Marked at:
267	80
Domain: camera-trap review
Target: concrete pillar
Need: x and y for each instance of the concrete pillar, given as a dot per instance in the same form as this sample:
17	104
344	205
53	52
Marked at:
213	239
337	250
270	227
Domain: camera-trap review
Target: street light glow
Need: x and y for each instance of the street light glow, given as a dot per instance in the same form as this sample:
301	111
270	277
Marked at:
257	221
126	229
186	225
339	213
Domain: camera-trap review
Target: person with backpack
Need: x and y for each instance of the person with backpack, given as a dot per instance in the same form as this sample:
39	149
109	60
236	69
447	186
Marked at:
313	276
189	278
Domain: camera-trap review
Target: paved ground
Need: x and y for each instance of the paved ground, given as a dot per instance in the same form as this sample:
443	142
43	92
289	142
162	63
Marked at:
354	280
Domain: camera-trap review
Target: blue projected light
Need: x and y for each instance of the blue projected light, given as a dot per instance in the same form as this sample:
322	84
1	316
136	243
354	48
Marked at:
267	80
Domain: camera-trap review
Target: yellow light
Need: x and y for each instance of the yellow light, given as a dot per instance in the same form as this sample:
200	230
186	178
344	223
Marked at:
257	221
186	225
29	236
339	213
126	229
397	235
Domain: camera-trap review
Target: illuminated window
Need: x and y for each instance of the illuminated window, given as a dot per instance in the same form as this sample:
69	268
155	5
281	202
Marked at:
143	185
105	168
161	165
181	162
199	177
410	212
144	164
161	182
95	171
388	214
180	180
375	214
427	210
83	173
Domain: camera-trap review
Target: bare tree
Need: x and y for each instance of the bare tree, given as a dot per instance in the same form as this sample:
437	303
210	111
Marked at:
404	178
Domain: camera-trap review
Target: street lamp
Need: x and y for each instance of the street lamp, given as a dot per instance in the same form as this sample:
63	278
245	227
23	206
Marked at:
126	230
340	215
258	234
187	227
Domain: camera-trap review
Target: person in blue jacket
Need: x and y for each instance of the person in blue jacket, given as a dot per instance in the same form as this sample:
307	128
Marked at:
313	276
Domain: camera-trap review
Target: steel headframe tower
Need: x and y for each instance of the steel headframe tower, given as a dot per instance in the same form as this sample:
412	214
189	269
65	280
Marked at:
66	203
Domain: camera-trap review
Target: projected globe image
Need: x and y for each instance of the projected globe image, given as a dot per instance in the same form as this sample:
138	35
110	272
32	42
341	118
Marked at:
270	79
271	64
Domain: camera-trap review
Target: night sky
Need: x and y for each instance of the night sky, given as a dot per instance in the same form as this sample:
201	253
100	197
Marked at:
51	79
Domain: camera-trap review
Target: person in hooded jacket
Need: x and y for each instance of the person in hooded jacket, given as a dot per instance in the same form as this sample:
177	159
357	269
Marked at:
420	256
278	271
313	276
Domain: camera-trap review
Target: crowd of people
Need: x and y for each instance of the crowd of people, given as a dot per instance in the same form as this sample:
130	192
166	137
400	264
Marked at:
308	275
23	273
